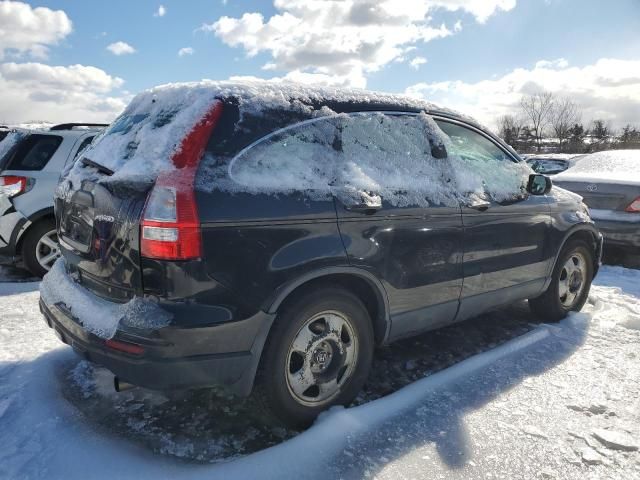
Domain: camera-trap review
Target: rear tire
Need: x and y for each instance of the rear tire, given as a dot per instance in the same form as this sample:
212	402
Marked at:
570	283
318	354
40	248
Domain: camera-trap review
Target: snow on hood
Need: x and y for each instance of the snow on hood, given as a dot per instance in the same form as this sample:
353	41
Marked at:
613	166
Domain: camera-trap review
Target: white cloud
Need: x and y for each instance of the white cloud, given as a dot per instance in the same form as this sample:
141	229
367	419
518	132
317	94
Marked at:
25	29
416	62
120	48
348	39
608	89
185	51
35	91
161	12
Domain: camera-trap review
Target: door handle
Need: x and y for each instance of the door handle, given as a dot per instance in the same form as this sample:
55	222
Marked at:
363	208
480	206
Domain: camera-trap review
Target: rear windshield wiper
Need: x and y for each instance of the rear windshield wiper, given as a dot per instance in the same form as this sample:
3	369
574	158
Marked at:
97	166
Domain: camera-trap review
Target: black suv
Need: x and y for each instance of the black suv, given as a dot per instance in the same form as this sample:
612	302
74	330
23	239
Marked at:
270	242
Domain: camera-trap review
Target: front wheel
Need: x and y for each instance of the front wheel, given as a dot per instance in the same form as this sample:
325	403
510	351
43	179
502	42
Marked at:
570	283
318	354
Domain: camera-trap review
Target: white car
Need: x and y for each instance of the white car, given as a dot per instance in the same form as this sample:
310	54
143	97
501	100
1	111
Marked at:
31	161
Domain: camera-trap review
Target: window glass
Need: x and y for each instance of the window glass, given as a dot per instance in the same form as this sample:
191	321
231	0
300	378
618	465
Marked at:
302	157
394	156
34	152
481	168
82	146
359	156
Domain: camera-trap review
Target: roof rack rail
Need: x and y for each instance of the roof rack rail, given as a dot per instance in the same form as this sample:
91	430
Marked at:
69	126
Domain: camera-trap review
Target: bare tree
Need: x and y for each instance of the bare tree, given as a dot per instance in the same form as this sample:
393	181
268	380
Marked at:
509	129
564	115
537	109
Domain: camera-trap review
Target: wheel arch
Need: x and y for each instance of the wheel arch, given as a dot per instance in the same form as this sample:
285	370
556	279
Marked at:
586	232
32	221
360	282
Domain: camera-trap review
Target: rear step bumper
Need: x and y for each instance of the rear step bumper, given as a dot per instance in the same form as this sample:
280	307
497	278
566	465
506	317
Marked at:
233	371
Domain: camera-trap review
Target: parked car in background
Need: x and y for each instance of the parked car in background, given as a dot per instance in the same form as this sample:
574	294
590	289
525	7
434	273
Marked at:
4	131
266	236
31	162
609	183
551	163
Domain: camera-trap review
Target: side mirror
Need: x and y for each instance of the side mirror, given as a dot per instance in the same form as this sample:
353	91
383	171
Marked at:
539	184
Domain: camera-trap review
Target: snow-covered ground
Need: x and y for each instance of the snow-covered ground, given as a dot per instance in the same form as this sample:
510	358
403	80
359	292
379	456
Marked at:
499	396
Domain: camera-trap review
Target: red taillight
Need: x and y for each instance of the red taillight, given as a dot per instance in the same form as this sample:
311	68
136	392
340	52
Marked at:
10	185
171	230
126	347
634	207
170	227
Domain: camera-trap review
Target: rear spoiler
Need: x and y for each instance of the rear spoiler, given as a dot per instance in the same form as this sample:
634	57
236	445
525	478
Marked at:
69	126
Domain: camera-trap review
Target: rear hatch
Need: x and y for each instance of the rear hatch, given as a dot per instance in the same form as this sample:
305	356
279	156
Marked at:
155	144
99	229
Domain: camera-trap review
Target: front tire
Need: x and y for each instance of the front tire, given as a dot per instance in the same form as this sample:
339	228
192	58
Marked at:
570	283
40	249
318	354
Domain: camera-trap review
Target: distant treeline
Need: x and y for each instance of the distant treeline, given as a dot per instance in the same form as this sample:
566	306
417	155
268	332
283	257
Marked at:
549	123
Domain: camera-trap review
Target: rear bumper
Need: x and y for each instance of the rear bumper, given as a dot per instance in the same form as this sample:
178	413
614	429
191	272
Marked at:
173	358
619	234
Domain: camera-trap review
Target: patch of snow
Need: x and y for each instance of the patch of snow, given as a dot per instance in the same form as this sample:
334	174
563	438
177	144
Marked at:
616	440
612	166
98	316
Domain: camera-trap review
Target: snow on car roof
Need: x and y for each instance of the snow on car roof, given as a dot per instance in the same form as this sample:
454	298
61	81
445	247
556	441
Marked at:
613	166
142	140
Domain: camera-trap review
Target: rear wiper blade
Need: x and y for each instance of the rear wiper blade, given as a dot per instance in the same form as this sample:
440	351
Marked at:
97	166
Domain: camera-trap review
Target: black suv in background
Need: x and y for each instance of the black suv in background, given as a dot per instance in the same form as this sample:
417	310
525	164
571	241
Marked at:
284	232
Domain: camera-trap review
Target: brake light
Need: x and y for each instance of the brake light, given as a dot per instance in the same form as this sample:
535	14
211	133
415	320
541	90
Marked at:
634	207
126	347
170	227
10	185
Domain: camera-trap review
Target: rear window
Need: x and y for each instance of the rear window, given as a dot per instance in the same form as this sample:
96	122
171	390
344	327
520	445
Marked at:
85	143
33	152
3	133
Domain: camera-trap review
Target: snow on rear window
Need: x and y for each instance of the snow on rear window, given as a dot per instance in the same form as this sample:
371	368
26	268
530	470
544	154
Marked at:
143	139
400	158
618	166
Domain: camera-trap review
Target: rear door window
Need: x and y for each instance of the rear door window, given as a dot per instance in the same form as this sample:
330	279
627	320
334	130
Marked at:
399	157
33	152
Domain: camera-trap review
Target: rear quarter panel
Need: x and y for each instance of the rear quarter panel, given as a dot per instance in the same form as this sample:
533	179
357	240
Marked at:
256	244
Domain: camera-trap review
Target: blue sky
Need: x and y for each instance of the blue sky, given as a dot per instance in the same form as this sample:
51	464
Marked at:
457	56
